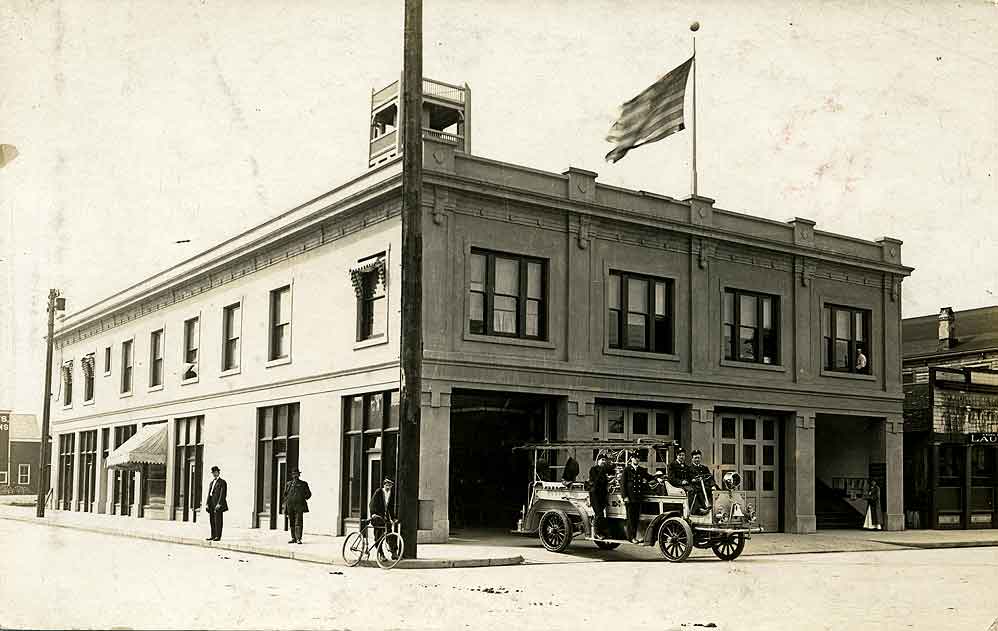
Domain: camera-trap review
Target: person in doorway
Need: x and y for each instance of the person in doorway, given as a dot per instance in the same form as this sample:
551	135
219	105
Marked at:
679	470
632	489
216	503
383	509
874	519
701	484
295	504
599	494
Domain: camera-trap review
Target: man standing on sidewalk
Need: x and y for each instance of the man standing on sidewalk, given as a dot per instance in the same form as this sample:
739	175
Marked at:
216	504
296	492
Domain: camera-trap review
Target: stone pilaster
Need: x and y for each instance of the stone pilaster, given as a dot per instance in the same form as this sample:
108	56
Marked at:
799	473
893	455
434	466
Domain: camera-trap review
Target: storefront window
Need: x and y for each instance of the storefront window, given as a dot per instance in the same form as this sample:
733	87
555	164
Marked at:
370	446
982	465
277	454
950	465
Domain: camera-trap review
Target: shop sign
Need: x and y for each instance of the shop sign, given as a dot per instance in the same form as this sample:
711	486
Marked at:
4	440
984	438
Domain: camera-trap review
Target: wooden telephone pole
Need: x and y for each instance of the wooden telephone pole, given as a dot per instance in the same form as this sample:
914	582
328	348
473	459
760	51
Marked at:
412	274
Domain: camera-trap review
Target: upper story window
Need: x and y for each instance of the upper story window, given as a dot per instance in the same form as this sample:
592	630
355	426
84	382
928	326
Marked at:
751	327
280	323
67	383
88	366
192	342
508	295
231	327
846	333
126	366
369	278
107	360
156	358
639	312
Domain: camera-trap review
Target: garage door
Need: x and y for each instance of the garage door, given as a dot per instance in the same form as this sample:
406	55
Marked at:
749	444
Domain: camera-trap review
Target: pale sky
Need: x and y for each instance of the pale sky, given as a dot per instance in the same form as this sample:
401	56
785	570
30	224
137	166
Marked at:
146	122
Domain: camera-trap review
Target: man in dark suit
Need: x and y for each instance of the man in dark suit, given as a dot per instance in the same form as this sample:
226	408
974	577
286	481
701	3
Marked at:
679	470
700	474
382	508
631	488
216	503
599	494
295	504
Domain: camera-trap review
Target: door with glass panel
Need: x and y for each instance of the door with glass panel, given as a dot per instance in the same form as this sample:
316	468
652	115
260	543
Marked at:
749	444
633	423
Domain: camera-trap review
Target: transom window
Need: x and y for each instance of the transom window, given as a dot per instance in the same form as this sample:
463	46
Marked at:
508	295
751	327
846	334
280	322
639	312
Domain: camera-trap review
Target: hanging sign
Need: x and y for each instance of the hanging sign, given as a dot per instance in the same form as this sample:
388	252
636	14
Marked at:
984	438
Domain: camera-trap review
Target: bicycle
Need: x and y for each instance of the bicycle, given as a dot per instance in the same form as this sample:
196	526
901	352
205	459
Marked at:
357	546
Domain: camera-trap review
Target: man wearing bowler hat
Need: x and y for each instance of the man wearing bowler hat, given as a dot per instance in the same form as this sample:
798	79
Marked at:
296	492
216	504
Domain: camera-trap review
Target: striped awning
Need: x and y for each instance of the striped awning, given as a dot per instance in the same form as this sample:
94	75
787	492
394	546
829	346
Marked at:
147	446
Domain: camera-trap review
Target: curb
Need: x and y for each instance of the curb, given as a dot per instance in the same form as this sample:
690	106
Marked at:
308	557
932	545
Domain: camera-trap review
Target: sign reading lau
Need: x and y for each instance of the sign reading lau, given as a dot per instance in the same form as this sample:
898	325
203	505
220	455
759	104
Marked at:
984	438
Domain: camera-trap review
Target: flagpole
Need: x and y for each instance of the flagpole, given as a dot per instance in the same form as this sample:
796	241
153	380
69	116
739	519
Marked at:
694	27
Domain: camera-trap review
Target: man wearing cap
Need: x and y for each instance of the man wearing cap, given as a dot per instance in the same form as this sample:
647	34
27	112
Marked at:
382	509
599	494
295	504
679	470
216	504
700	496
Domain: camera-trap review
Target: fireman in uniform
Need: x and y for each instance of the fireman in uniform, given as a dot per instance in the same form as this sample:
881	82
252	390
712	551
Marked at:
699	503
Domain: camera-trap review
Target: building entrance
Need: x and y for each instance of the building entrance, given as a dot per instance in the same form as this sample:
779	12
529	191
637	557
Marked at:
488	480
750	444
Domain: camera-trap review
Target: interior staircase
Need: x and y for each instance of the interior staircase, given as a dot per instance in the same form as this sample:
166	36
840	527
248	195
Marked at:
832	511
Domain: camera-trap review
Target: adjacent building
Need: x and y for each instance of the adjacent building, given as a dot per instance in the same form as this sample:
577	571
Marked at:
19	441
951	418
555	307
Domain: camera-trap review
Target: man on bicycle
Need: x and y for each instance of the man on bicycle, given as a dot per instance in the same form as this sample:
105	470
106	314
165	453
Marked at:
382	509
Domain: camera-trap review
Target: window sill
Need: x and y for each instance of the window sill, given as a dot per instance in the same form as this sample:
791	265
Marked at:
230	372
68	407
90	402
187	382
848	375
156	388
280	361
626	352
371	341
512	341
125	395
107	374
753	366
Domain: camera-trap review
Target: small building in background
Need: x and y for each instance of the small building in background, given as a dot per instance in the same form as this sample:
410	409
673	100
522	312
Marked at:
19	438
950	376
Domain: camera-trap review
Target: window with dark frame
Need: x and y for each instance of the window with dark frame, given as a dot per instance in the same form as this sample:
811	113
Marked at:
67	383
156	358
67	443
508	295
230	337
88	366
639	312
280	323
192	342
371	425
751	323
23	474
370	285
846	333
107	360
126	366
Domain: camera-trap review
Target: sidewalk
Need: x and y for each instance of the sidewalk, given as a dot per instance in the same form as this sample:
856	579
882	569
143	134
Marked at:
316	548
489	548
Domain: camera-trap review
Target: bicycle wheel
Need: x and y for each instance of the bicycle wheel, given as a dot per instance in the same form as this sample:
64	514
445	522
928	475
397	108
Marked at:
354	549
391	541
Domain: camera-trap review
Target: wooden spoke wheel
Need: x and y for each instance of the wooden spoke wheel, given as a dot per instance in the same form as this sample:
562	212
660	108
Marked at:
555	530
675	539
728	547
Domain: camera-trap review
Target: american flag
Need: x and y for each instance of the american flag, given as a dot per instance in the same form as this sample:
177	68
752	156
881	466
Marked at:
652	115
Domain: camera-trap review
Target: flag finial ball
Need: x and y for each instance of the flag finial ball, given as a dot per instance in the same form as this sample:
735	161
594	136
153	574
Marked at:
695	27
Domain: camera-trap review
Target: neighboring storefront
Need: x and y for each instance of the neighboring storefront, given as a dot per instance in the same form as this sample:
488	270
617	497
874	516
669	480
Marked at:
19	440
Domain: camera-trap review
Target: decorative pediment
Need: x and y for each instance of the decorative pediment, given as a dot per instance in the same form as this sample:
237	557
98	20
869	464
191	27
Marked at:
87	364
372	265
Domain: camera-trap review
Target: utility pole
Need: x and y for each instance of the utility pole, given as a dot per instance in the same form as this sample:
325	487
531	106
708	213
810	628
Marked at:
412	274
44	456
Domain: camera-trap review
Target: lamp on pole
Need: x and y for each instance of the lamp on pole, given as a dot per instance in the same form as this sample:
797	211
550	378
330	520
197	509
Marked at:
56	303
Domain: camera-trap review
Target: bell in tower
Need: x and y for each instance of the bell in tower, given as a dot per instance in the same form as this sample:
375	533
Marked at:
446	109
